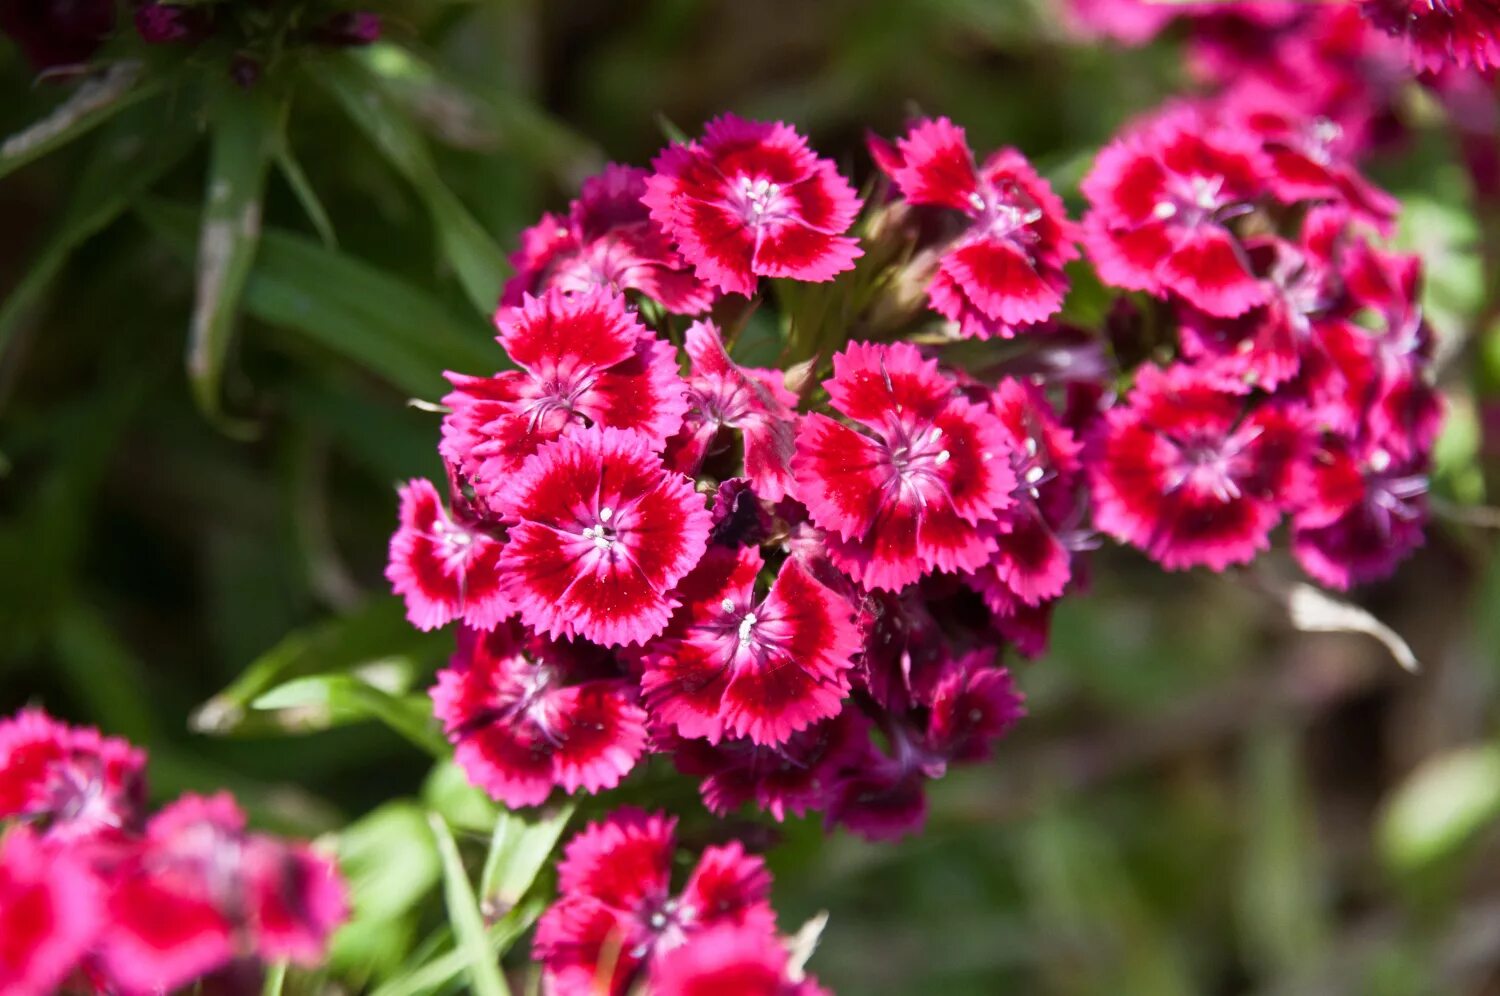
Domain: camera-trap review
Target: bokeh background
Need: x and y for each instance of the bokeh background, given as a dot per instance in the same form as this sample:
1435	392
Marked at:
1203	801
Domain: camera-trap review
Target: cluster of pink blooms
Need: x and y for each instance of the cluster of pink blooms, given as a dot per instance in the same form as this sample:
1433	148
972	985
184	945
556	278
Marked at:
98	894
620	921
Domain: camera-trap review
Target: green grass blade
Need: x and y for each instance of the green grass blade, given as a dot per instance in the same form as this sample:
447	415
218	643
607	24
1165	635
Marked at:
93	103
482	965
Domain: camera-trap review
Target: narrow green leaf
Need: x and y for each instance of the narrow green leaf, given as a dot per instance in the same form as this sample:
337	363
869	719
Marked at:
468	924
1440	807
132	154
390	860
323	701
93	103
376	631
346	306
519	848
244	138
302	188
447	792
435	975
474	256
275	979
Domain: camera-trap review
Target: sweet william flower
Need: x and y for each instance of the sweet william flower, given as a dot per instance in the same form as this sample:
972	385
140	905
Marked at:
1161	198
1005	269
758	669
609	240
602	532
1364	514
527	714
1191	473
616	905
444	567
50	911
584	359
751	200
922	490
1441	33
729	961
69	783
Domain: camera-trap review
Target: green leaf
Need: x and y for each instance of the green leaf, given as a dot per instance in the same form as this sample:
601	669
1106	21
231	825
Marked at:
374	632
349	308
275	979
302	188
320	702
131	155
390	860
448	793
93	103
519	848
475	257
1440	807
244	139
437	973
463	912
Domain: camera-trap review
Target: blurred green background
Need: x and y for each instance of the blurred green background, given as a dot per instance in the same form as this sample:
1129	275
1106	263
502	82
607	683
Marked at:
1203	800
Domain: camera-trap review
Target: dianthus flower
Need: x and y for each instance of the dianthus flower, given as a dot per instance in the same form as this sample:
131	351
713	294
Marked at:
1364	514
762	670
1005	269
584	359
1192	473
722	395
50	911
526	714
445	568
199	890
1463	33
729	961
608	240
69	783
616	905
923	490
602	533
1161	198
752	200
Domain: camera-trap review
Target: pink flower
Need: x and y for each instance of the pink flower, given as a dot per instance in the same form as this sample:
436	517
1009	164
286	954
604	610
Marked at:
50	912
729	961
296	899
759	670
1365	514
606	240
922	491
752	200
723	396
583	359
70	783
1161	197
1193	474
616	904
1005	270
1130	22
973	705
446	569
602	533
527	714
1463	33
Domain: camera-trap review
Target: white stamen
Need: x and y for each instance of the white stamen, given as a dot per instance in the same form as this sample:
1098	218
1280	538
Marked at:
745	624
605	514
942	458
603	542
977	201
1035	474
727	605
1380	460
1030	446
1164	209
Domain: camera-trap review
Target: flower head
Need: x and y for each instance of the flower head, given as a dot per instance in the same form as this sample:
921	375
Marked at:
69	783
50	911
1440	33
751	200
446	568
729	961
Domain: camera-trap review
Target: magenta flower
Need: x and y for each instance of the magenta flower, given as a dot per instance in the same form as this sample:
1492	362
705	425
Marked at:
50	910
973	704
1160	201
752	200
69	783
584	359
1440	33
527	714
607	240
728	664
616	905
1005	270
729	961
446	569
724	396
922	490
602	534
1364	515
1191	473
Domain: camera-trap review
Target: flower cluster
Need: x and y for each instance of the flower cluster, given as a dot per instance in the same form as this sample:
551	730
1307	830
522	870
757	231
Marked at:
618	919
97	890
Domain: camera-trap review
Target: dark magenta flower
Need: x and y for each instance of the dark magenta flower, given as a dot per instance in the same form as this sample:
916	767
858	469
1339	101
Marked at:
50	912
751	200
527	714
1192	473
1364	514
763	669
616	906
602	533
729	961
1005	269
584	359
922	489
445	568
1441	33
608	240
